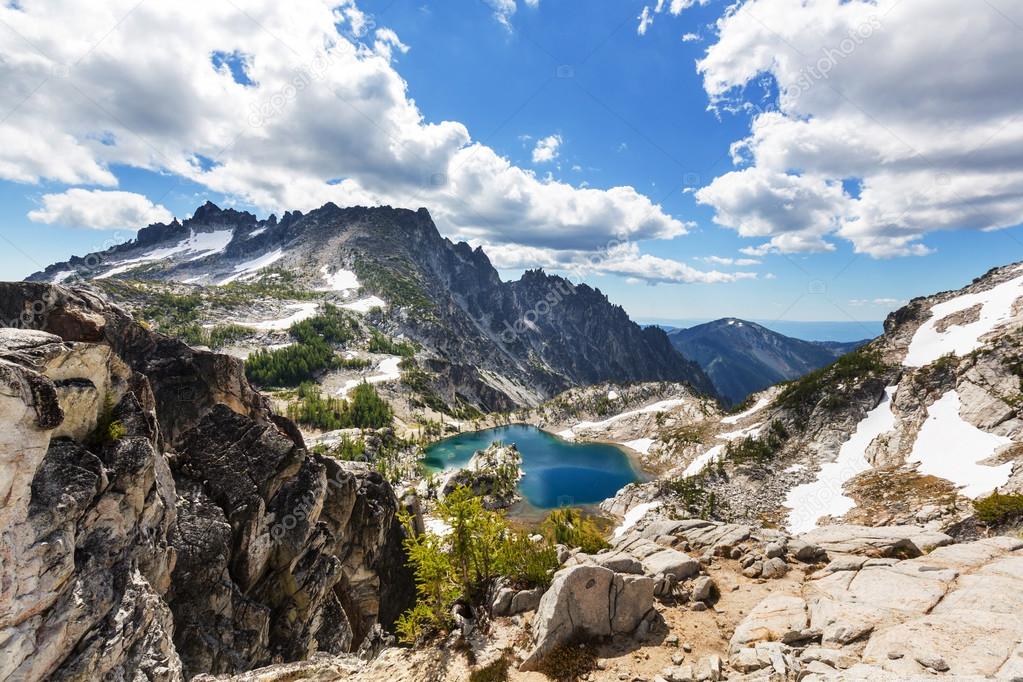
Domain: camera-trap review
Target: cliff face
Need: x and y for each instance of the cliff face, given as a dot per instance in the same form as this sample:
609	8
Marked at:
159	519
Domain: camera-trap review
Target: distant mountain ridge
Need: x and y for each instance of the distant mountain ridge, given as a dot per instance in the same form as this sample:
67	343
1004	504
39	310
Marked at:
743	357
486	343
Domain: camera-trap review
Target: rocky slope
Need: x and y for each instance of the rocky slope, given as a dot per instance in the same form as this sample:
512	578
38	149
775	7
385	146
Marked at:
742	357
159	520
486	343
912	427
680	601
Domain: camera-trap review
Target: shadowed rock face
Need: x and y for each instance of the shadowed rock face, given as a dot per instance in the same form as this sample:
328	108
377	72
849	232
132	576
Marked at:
196	534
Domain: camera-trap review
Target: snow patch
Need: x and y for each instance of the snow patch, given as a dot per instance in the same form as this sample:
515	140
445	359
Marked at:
929	344
364	305
251	267
749	431
342	280
655	407
387	370
736	418
640	445
302	311
824	496
950	447
61	276
200	243
633	516
256	233
701	462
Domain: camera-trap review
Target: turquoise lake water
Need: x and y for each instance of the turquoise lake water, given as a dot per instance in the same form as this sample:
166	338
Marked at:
557	473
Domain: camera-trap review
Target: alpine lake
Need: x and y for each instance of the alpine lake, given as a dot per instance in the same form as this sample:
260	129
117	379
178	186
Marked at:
556	472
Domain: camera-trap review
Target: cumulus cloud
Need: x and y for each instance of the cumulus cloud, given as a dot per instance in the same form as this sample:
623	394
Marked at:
624	259
320	115
546	149
99	210
869	91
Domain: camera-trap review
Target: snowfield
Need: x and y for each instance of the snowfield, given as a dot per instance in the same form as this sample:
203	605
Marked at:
201	244
824	496
698	464
736	418
387	370
364	305
302	311
342	280
569	433
251	267
951	448
633	516
640	445
929	344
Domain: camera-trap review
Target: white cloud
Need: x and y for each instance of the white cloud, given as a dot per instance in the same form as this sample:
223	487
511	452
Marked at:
675	7
99	210
326	117
386	42
505	9
691	38
616	258
870	91
721	260
546	149
645	19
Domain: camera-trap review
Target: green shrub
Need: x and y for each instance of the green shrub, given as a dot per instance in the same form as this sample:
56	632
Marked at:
803	394
364	409
108	429
346	450
378	343
997	508
760	449
567	526
693	495
464	563
527	563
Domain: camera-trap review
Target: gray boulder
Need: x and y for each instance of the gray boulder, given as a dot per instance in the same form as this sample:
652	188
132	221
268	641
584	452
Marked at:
588	601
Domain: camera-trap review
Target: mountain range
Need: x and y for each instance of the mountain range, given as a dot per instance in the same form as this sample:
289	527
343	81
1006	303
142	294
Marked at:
485	343
742	357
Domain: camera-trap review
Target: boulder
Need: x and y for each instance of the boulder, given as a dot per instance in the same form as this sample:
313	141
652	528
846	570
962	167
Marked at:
588	601
703	588
778	618
884	541
774	568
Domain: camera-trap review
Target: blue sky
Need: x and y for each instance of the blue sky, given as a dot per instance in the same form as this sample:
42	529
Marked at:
625	110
